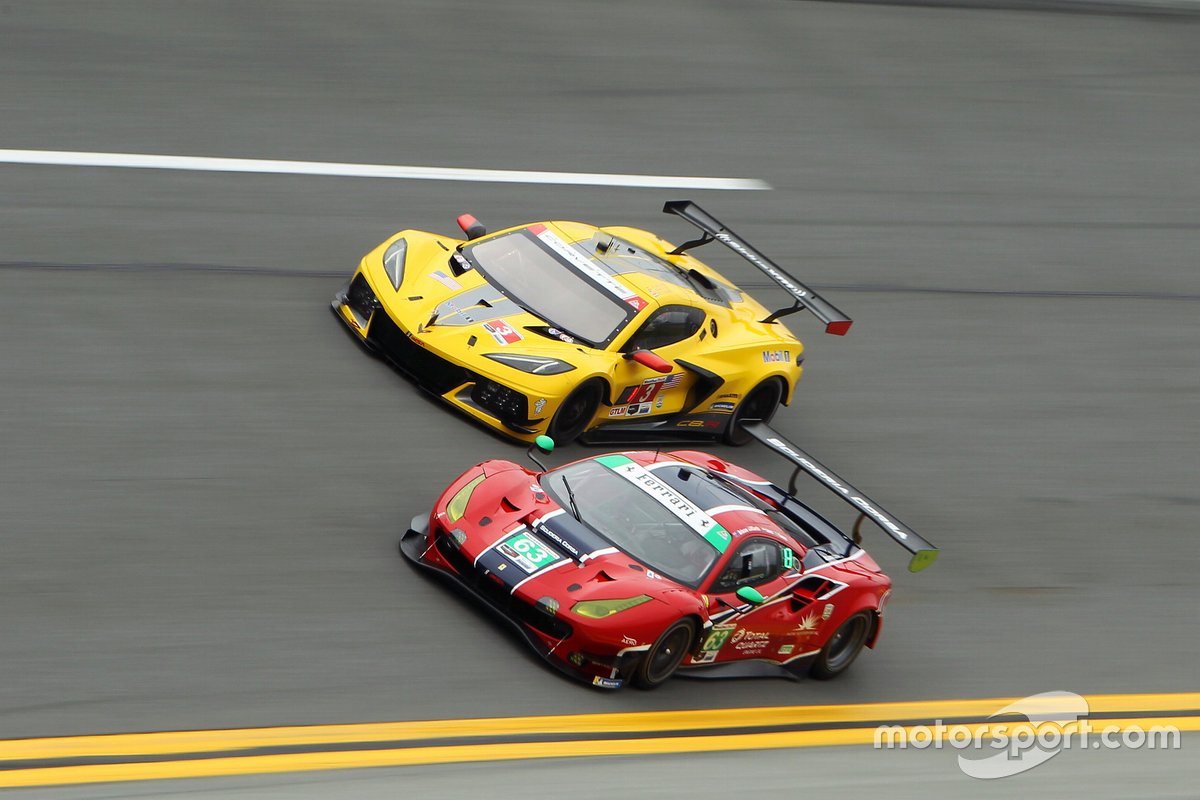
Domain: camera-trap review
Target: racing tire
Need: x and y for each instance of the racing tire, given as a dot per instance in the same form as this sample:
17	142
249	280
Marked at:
842	648
762	403
665	655
575	412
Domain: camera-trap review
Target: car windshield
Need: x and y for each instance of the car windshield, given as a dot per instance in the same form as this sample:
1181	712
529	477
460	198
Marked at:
528	268
632	520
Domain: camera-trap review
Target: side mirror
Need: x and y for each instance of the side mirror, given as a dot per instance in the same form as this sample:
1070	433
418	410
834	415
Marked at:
650	359
751	595
544	445
471	226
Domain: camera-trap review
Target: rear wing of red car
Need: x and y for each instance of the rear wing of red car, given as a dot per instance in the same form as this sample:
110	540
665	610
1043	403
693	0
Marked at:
713	229
923	553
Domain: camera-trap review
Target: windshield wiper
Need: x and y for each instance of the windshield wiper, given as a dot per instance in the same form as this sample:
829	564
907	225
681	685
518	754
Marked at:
571	497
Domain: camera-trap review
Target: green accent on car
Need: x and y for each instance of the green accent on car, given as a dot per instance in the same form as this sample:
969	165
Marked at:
599	609
718	537
751	595
613	461
458	504
544	443
922	559
789	558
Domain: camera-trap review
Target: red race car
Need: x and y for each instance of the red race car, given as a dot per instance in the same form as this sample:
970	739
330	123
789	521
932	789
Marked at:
628	566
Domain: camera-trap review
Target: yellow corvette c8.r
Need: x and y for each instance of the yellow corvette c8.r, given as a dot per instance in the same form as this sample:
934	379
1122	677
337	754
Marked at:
570	330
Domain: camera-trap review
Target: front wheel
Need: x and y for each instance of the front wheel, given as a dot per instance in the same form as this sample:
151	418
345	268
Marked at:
761	403
575	412
842	648
665	655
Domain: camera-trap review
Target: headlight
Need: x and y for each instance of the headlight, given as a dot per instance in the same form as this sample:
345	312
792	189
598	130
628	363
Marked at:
599	609
393	262
537	365
458	504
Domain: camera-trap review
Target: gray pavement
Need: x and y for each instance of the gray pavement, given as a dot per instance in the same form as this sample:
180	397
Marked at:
203	479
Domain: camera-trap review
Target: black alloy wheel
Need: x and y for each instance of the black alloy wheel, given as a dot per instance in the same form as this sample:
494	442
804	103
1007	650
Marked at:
843	647
761	403
575	412
665	655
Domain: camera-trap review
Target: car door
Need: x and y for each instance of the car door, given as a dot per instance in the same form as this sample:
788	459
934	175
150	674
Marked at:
670	333
742	630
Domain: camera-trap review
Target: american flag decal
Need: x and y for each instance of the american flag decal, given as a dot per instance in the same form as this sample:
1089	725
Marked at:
673	381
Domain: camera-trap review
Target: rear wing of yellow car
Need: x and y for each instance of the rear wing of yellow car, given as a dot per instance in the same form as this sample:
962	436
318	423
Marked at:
713	229
923	553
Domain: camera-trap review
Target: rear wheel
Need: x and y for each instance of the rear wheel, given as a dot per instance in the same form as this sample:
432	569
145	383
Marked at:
573	415
665	655
761	403
842	648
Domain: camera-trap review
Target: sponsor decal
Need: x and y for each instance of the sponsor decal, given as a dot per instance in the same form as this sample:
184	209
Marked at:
455	311
576	659
618	411
728	396
628	640
585	265
502	332
539	405
561	336
658	403
776	356
677	504
786	649
826	479
828	612
527	553
558	540
697	423
753	529
445	280
808	624
606	683
745	640
724	407
762	264
640	409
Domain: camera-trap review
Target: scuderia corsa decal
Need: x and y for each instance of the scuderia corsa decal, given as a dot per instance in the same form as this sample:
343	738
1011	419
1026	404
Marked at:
677	504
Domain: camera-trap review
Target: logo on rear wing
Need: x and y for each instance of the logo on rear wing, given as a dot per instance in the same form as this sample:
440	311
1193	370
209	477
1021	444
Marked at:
922	551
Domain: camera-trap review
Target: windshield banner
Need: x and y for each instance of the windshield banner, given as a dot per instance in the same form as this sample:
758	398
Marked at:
677	504
599	276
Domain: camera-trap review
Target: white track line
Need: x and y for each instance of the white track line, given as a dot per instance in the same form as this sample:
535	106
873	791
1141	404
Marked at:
204	164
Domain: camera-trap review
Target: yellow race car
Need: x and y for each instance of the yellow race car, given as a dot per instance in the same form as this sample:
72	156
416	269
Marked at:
570	330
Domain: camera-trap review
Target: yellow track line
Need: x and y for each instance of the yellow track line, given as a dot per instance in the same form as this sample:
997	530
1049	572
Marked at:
208	741
307	762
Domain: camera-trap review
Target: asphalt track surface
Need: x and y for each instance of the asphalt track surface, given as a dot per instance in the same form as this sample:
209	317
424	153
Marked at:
203	479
